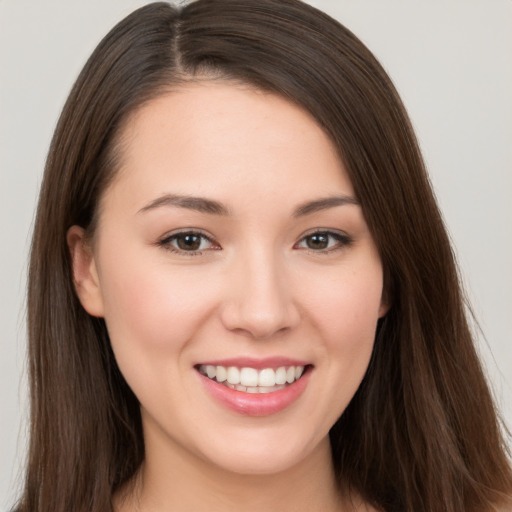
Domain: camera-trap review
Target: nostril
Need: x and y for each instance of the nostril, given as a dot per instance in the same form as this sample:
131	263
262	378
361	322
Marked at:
258	322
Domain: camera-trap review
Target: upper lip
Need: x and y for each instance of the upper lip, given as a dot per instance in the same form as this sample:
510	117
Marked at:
257	363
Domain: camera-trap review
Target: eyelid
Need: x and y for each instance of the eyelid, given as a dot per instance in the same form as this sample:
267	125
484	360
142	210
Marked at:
342	238
165	241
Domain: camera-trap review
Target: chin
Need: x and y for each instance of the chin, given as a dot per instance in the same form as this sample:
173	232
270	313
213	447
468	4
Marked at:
266	454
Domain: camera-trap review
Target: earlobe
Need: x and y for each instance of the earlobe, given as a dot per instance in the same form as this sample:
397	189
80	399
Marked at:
386	299
85	275
385	302
383	309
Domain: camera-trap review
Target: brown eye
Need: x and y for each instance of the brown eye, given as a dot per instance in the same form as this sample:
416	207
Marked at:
324	241
187	242
318	241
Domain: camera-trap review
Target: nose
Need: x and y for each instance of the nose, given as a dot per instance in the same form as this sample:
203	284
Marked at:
259	302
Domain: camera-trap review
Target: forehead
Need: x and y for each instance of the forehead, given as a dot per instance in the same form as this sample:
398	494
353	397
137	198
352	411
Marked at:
225	139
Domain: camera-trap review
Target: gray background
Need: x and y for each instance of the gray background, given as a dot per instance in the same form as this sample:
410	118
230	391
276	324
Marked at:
450	60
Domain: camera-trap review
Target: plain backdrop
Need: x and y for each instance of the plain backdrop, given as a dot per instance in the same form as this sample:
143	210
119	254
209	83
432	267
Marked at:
450	60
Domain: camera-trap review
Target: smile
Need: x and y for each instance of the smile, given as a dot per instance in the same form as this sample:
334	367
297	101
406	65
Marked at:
255	387
252	380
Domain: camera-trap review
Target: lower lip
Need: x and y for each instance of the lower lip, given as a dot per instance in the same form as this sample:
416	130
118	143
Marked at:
256	404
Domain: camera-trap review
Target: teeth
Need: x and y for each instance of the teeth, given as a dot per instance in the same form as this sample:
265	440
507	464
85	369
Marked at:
211	371
281	375
251	380
233	375
222	374
267	377
264	389
249	377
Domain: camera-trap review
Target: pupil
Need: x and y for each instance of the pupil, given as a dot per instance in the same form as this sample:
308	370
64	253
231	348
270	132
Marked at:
318	241
189	242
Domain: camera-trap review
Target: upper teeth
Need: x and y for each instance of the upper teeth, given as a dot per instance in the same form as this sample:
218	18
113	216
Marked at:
251	377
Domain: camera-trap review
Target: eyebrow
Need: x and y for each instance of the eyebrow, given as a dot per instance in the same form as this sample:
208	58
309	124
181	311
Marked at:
323	204
199	204
212	207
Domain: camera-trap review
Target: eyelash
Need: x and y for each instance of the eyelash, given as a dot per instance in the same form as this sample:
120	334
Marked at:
167	241
342	240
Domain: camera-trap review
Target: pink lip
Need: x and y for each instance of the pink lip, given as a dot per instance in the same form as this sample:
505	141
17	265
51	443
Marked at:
258	364
254	404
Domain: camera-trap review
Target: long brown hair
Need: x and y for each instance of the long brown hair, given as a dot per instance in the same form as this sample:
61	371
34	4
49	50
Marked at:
421	433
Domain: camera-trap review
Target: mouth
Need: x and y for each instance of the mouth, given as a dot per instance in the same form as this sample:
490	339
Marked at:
253	380
255	388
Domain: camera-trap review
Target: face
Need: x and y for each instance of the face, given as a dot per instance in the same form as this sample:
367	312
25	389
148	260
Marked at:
239	282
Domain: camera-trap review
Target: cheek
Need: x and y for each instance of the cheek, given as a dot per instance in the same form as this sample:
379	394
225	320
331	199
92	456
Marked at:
346	309
151	318
345	314
148	307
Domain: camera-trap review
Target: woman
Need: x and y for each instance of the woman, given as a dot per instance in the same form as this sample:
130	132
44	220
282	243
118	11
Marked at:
241	292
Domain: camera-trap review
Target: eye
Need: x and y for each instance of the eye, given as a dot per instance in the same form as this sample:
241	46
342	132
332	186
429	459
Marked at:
191	242
324	241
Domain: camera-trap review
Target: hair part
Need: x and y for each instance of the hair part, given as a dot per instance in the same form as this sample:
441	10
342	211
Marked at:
411	438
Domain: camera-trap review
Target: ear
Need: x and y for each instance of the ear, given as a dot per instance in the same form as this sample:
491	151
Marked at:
384	307
85	275
385	300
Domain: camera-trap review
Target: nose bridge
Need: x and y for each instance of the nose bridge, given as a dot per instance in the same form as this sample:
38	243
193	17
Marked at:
260	300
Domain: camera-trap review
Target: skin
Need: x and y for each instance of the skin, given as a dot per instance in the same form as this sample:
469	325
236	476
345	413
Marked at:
259	287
